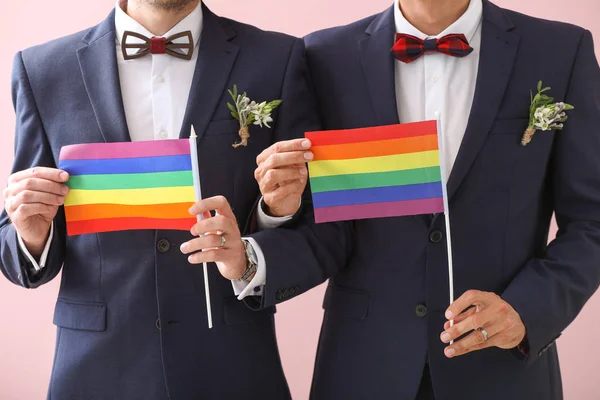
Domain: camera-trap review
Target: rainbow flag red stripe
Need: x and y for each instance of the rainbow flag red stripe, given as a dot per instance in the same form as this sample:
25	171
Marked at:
376	172
128	186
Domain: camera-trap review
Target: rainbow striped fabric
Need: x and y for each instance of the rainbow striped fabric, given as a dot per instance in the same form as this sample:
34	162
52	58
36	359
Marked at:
128	186
376	172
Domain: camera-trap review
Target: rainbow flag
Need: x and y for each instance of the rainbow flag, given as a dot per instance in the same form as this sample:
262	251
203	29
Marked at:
128	186
376	172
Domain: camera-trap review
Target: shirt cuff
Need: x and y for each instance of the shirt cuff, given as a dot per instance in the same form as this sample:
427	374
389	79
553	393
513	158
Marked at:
268	222
243	289
37	266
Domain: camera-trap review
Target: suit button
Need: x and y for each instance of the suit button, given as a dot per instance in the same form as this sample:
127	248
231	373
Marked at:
421	311
158	324
436	236
163	245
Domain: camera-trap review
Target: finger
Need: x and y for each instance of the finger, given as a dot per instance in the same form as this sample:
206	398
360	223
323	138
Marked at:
481	319
474	341
203	215
50	174
219	223
207	256
261	171
461	317
284	147
211	241
276	177
283	160
37	185
279	194
25	211
469	298
217	203
28	196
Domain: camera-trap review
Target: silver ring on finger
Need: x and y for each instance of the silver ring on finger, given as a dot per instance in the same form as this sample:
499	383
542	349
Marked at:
223	242
483	333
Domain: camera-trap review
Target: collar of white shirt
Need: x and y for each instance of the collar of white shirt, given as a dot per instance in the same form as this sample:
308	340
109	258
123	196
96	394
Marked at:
467	24
192	22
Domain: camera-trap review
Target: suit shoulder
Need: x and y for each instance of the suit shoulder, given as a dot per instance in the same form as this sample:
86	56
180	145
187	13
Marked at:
53	61
252	33
54	48
338	35
549	29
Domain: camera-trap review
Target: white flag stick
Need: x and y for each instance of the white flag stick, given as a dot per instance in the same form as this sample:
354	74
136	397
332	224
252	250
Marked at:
198	193
446	208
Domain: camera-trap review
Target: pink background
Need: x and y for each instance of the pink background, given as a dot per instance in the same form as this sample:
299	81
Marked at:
26	330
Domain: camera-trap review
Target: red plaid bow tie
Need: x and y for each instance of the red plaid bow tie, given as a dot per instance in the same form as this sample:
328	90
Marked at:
408	48
158	45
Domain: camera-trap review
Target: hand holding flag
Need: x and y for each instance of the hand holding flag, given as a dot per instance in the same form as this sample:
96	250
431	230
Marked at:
31	200
218	239
478	312
282	175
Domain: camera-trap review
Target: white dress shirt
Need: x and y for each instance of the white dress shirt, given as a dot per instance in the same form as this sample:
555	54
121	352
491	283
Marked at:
156	88
436	84
155	91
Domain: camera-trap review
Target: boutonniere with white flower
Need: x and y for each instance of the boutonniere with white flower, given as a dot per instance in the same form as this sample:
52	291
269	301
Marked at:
544	114
249	112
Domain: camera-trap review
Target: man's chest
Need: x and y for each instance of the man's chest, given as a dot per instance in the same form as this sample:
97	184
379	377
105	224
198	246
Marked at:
155	92
483	105
437	86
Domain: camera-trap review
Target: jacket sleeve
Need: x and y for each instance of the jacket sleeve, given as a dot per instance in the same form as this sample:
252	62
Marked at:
302	257
32	149
549	292
299	255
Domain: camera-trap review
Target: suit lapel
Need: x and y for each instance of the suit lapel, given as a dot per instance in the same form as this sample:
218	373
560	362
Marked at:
98	64
498	51
378	66
216	57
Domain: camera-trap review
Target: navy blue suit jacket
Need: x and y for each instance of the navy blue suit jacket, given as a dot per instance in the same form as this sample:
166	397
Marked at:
384	306
131	312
